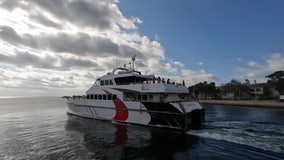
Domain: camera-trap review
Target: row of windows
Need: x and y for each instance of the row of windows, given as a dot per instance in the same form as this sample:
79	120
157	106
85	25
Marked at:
102	96
128	96
256	90
122	81
106	82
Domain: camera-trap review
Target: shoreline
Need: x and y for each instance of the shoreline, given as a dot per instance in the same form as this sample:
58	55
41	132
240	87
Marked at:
250	103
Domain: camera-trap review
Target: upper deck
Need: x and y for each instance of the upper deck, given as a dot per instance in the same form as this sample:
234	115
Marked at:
134	81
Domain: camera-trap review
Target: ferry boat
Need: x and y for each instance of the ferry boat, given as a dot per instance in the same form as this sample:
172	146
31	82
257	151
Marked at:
129	97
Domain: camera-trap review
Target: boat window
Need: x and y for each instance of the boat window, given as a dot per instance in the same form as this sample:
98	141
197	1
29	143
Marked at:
97	83
109	97
129	80
106	82
102	82
100	96
131	96
151	96
104	96
87	96
144	97
114	97
91	96
110	82
127	96
162	99
95	96
182	96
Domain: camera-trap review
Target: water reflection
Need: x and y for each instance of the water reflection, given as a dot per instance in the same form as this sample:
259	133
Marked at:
113	141
237	113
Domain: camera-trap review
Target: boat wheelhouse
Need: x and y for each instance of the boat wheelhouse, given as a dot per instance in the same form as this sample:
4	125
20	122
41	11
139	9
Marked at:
127	96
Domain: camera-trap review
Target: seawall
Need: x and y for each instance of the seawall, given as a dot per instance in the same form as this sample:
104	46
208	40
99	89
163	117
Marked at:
251	103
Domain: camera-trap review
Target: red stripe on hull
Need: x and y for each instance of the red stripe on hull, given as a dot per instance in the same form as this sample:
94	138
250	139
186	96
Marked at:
121	112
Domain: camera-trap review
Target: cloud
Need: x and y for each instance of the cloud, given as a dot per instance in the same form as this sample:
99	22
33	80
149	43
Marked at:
9	35
200	63
44	20
63	45
26	59
194	77
136	20
68	63
253	64
128	51
157	38
82	13
254	70
23	59
178	63
9	4
79	43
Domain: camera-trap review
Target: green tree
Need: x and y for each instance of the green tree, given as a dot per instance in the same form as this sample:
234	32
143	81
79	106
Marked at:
209	90
236	87
276	80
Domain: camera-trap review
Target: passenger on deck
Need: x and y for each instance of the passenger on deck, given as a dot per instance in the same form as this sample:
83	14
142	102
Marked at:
168	81
147	81
163	80
159	79
183	83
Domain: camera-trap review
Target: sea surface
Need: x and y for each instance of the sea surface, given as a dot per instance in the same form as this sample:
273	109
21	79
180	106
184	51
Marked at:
39	128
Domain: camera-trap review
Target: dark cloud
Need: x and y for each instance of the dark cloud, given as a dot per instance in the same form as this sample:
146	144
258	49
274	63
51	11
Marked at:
89	75
79	44
93	15
24	59
68	63
140	64
11	36
8	4
42	19
84	13
128	51
34	15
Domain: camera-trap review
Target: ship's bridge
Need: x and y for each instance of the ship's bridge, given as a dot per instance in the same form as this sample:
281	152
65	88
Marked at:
122	76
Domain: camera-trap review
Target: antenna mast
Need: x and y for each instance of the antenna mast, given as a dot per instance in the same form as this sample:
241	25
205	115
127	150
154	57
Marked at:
133	60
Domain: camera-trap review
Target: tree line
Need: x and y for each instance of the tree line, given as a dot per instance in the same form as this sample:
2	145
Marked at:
240	90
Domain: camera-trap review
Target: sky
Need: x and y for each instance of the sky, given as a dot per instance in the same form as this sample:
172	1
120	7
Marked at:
59	47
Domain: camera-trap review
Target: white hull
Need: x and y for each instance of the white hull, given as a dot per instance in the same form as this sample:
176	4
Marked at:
136	113
109	113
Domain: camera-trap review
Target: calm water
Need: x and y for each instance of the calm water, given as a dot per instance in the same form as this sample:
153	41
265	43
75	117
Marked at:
39	128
